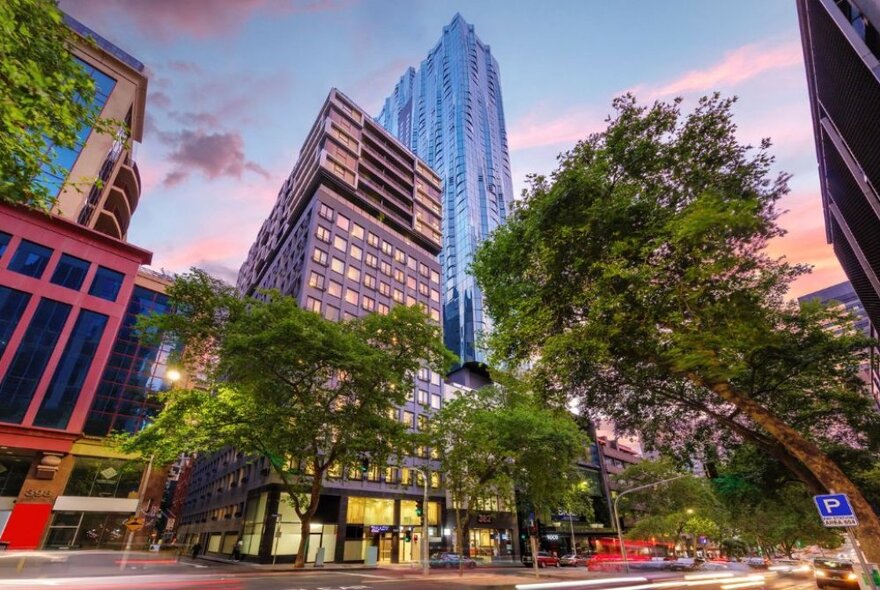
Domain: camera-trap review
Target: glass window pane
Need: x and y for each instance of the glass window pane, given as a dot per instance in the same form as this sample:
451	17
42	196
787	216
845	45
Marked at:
12	305
5	238
106	284
30	259
70	272
63	392
31	358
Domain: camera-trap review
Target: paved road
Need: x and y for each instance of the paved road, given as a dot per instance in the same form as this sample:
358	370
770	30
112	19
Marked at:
107	571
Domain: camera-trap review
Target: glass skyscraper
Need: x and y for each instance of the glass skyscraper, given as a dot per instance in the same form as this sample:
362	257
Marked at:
449	113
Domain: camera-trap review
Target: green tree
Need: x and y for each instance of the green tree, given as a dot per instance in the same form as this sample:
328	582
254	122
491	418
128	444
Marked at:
309	394
500	438
687	505
46	98
636	280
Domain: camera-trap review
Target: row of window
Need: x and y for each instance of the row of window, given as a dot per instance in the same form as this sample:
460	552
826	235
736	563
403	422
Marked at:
31	259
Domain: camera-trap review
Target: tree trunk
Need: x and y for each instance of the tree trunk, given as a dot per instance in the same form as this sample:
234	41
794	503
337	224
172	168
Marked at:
306	519
823	468
459	540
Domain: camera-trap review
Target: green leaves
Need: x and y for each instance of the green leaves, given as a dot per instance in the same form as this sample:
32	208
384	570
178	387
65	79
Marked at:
45	99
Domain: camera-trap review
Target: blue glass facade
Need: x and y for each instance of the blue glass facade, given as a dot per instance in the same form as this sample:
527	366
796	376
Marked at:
449	112
12	304
65	157
125	398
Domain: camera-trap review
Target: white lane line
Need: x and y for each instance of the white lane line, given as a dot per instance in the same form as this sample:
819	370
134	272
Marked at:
576	583
364	575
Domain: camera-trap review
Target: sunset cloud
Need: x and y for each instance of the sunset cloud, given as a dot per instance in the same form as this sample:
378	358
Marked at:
544	127
212	154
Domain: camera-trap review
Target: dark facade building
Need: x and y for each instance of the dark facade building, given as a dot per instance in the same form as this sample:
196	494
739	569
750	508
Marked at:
355	229
844	295
449	112
841	50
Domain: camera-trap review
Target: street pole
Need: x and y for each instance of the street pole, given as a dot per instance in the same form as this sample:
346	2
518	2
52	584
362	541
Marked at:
424	544
137	511
617	518
866	571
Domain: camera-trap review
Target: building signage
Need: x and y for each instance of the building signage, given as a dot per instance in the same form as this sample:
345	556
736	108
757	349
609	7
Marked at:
485	518
552	537
38	494
381	528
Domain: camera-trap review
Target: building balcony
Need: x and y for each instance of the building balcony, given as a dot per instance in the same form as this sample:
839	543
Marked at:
118	205
108	225
128	179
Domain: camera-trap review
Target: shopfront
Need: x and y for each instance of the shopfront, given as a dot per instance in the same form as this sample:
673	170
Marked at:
491	536
392	526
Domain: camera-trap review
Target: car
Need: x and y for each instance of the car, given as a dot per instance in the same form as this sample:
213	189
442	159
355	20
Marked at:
791	567
574	560
452	560
684	564
757	562
544	560
835	572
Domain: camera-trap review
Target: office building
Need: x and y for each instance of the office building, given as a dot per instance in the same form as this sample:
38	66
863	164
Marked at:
844	295
449	112
841	50
355	230
68	282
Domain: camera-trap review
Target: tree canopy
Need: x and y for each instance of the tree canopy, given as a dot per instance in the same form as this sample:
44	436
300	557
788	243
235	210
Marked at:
635	279
46	99
310	395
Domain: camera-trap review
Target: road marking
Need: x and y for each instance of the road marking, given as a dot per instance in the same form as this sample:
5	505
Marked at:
365	575
576	583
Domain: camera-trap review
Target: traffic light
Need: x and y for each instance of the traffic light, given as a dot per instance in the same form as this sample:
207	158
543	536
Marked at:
364	466
420	508
407	536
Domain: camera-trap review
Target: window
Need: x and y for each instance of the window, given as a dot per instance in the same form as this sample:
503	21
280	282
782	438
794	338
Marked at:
325	212
423	422
5	238
342	222
313	304
104	478
12	305
331	313
372	261
424	373
356	252
70	374
423	269
357	231
339	243
399	276
435	479
334	288
435	401
423	396
337	265
70	272
354	274
368	303
31	358
400	256
319	256
106	284
412	264
323	234
435	314
398	295
316	280
410	301
435	295
387	248
351	296
406	478
408	419
411	283
373	240
382	309
30	259
385	268
370	281
435	276
424	290
385	289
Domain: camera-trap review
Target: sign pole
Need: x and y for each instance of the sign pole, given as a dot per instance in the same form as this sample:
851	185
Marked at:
866	570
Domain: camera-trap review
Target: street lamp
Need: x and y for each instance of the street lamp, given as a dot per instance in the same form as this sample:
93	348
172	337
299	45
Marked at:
617	519
172	375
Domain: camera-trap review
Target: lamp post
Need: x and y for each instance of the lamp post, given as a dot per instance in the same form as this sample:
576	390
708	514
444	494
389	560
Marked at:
617	519
424	544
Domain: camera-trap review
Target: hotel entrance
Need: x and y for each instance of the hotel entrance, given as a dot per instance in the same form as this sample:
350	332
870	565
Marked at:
386	543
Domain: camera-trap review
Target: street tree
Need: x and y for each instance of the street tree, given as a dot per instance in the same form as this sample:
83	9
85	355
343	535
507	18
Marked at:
685	506
46	100
501	438
308	394
636	280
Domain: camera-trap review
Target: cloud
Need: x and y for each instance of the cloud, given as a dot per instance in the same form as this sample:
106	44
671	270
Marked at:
167	19
540	128
212	154
736	67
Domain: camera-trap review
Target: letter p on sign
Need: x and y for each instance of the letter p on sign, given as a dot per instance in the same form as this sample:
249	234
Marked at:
835	510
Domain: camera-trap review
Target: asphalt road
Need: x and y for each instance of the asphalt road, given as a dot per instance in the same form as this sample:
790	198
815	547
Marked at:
110	571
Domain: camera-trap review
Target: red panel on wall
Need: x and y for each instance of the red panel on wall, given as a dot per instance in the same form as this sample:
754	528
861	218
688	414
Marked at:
26	525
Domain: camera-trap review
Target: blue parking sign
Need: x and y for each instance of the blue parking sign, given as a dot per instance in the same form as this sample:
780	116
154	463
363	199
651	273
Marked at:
835	510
